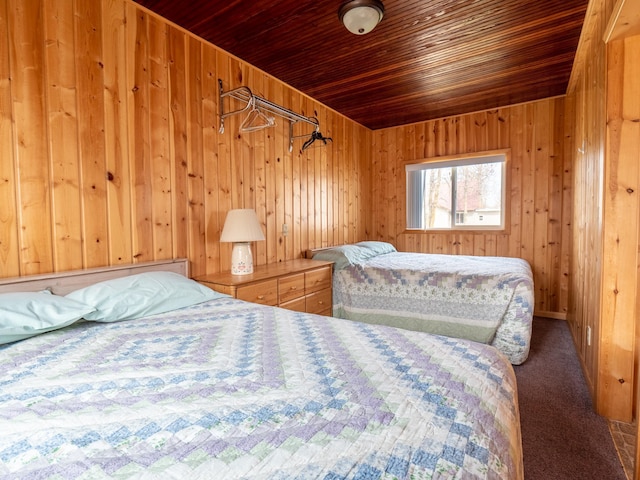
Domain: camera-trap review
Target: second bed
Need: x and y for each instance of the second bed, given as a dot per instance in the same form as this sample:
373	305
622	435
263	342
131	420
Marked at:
485	299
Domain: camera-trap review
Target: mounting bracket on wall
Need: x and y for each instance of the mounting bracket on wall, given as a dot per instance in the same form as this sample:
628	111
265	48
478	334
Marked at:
254	103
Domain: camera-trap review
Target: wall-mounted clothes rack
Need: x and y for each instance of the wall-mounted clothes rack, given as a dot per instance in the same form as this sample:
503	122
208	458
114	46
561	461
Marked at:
244	95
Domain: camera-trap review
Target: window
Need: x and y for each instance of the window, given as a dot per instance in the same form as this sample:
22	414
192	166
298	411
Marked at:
462	193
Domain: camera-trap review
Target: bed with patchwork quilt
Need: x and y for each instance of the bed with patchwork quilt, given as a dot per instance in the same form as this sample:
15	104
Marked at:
485	299
225	389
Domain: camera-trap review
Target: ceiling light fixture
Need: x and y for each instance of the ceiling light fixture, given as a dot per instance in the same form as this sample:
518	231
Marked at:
361	16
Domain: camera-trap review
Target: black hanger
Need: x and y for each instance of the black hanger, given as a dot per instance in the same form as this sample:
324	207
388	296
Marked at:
316	135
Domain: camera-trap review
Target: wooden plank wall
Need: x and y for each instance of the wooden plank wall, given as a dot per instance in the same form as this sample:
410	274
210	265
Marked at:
110	151
587	95
605	275
604	89
539	197
621	232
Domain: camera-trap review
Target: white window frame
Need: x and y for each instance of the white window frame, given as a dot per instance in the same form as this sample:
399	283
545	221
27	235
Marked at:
475	158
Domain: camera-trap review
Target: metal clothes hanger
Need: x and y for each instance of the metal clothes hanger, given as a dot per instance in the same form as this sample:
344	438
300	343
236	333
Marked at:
316	135
256	119
250	102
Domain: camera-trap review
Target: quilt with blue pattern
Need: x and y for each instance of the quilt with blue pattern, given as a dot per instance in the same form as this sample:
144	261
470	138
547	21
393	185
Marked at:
485	299
232	390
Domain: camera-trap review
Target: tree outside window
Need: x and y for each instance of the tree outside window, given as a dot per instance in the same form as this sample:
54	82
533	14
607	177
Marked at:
465	193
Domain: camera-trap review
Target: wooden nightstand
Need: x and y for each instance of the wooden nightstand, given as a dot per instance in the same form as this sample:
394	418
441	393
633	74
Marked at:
301	284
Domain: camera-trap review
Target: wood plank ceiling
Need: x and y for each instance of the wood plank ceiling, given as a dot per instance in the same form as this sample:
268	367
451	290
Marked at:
425	60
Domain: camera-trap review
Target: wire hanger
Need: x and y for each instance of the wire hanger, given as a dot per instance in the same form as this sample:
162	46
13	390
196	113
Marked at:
256	119
244	95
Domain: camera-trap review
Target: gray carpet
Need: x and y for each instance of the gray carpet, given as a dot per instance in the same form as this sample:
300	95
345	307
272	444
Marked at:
562	436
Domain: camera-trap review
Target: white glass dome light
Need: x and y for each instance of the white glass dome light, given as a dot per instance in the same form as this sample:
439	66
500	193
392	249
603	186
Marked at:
361	16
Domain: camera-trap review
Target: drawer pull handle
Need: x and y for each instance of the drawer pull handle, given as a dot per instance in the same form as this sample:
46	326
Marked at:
260	297
320	302
293	289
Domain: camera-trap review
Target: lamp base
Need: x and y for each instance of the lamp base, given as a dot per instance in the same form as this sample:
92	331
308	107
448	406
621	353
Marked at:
241	259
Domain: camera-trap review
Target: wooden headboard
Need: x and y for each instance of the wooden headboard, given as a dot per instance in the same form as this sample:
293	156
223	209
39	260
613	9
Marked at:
309	253
62	283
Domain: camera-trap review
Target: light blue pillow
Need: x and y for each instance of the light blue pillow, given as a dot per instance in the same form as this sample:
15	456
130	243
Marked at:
141	295
377	247
343	255
26	314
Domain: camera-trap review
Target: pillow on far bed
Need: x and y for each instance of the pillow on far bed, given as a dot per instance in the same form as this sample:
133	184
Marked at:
377	247
141	295
26	314
344	255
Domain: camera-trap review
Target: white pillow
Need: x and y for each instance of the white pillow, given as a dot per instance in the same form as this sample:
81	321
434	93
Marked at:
141	295
378	247
25	314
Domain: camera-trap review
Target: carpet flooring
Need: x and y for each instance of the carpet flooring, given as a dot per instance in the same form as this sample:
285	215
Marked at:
562	436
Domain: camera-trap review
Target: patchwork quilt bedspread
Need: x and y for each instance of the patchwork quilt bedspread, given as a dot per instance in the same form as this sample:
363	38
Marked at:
485	299
231	390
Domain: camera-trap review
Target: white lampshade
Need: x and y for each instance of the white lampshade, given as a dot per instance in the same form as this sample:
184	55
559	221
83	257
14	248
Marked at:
361	16
241	227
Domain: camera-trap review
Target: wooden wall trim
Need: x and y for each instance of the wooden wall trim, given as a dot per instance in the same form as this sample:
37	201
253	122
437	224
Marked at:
624	21
590	37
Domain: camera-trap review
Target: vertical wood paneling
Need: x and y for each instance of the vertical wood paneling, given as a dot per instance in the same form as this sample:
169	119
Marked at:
513	238
341	148
110	150
327	151
534	135
176	58
306	160
259	142
365	199
247	143
62	125
195	159
9	254
587	80
33	185
321	159
526	247
304	190
116	133
294	238
541	173
276	93
159	136
287	214
272	181
224	164
88	65
566	217
213	227
139	141
603	98
621	228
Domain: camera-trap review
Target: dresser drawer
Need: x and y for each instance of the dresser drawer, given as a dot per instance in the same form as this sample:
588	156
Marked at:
319	302
298	305
285	284
290	287
317	279
262	292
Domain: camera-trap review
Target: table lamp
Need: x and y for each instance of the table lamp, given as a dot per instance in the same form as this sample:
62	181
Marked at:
241	227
